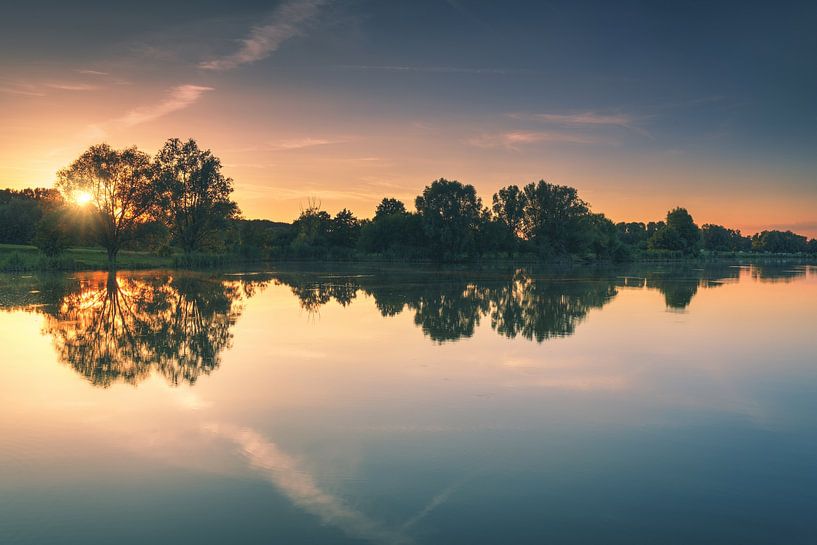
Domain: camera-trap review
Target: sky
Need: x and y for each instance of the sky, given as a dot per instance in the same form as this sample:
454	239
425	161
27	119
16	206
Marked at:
642	106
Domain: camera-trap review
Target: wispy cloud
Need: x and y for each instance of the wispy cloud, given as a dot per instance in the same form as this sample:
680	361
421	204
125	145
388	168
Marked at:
301	143
72	86
586	120
179	98
515	139
287	21
91	72
433	69
23	89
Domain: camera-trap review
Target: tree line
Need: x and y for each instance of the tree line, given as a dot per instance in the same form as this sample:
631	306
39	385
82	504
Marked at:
179	199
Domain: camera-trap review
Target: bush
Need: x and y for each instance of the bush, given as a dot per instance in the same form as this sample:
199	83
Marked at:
50	235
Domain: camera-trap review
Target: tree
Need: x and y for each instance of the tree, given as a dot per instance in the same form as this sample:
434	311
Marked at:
779	242
509	207
717	238
678	234
344	229
311	230
18	219
633	233
50	235
451	213
120	183
553	217
196	195
388	207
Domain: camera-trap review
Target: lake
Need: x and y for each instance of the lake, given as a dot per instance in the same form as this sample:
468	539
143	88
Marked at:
642	404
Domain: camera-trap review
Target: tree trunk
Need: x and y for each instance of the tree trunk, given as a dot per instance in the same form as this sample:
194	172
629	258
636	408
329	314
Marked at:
112	251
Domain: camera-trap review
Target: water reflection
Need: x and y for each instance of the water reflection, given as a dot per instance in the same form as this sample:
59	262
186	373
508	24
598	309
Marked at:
449	306
113	328
122	328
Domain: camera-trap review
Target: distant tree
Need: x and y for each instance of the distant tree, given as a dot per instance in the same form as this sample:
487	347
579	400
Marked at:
196	195
603	238
633	233
509	207
311	230
812	246
554	218
779	242
150	236
122	191
51	235
451	213
678	234
718	238
653	227
18	220
344	229
388	207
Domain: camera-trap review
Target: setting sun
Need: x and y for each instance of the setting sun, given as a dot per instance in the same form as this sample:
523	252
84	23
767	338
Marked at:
82	198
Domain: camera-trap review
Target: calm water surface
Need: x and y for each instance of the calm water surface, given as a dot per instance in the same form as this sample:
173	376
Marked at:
641	405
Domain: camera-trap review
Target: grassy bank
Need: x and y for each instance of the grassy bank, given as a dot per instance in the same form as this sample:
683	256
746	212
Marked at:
18	258
28	258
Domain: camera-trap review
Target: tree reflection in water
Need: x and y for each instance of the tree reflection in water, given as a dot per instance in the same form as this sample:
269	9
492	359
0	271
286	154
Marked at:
121	329
450	305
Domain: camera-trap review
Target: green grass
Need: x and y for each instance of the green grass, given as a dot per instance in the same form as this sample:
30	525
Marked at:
28	258
15	258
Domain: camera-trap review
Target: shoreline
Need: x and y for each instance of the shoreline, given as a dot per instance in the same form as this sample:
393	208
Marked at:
15	259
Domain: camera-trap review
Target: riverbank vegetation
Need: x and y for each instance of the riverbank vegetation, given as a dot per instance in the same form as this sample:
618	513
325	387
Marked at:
125	208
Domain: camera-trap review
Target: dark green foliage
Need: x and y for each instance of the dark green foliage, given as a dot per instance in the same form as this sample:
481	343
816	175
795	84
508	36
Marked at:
679	234
263	239
553	218
20	210
194	194
344	230
509	208
779	242
51	235
717	238
311	232
18	220
451	213
395	235
388	207
633	234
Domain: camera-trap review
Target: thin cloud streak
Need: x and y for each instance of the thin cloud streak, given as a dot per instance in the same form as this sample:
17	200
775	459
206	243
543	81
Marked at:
301	143
23	90
72	86
433	69
514	139
179	98
287	22
587	120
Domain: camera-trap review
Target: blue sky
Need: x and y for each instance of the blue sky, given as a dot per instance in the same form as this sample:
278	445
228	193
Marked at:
640	105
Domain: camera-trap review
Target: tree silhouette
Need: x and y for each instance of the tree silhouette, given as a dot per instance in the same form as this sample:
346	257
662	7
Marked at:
451	213
120	183
195	194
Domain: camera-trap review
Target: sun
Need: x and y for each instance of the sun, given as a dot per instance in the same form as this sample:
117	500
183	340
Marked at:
82	197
